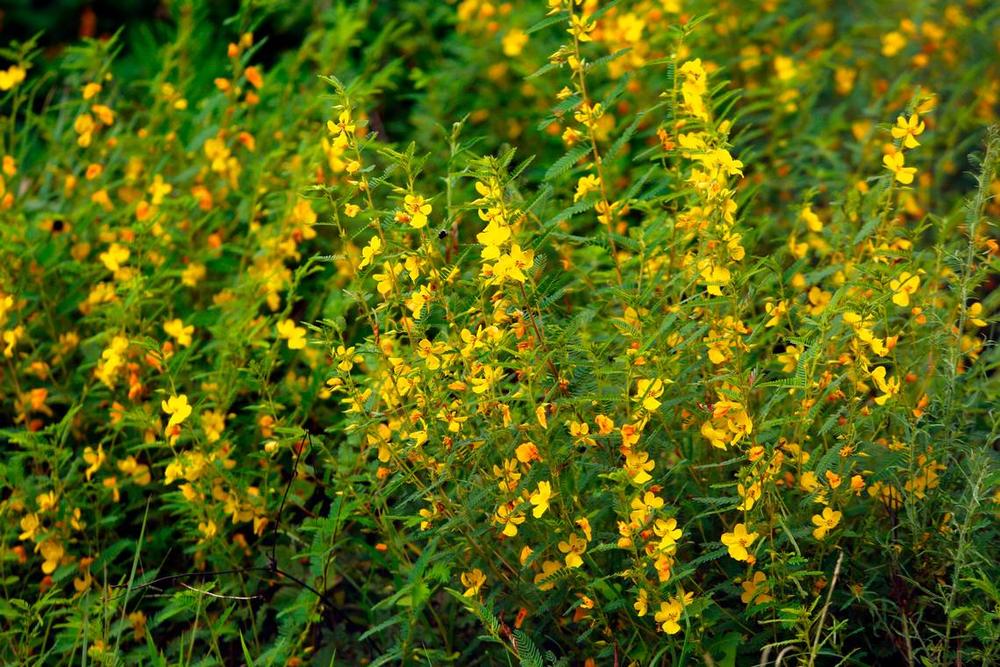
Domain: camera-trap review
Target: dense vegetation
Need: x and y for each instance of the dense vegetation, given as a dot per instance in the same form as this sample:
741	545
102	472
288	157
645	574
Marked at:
546	333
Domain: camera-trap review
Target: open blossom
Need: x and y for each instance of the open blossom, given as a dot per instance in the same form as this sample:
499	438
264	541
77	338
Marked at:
416	210
895	162
668	616
540	499
178	409
11	76
295	335
513	264
115	256
908	130
648	391
902	287
889	386
52	552
510	518
637	466
754	589
473	581
513	42
573	547
182	334
825	522
739	542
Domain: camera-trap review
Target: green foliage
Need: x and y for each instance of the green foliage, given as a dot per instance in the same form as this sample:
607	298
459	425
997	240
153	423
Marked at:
635	332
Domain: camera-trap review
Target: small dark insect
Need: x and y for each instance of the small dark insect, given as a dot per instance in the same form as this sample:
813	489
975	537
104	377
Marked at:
443	233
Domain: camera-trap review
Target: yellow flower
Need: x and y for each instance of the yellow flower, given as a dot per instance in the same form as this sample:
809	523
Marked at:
513	42
642	508
739	542
344	124
811	219
213	423
347	358
584	525
370	251
492	238
540	499
636	466
784	68
581	433
139	472
540	415
94	459
178	409
825	523
750	495
888	387
526	453
641	604
296	336
491	374
509	518
193	274
714	276
46	501
103	113
581	28
903	287
647	391
513	264
418	300
753	589
385	281
573	548
975	313
808	481
138	621
669	533
585	186
544	579
892	43
894	163
418	209
52	553
789	358
668	616
908	130
473	581
11	76
176	329
857	484
114	257
207	529
30	524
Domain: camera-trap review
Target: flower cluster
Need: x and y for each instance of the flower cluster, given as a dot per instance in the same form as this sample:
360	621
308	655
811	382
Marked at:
625	331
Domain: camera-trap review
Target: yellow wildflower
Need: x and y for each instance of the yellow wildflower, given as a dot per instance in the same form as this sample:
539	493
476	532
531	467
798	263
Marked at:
175	329
296	336
894	162
540	499
573	548
739	542
908	130
178	409
473	580
825	522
